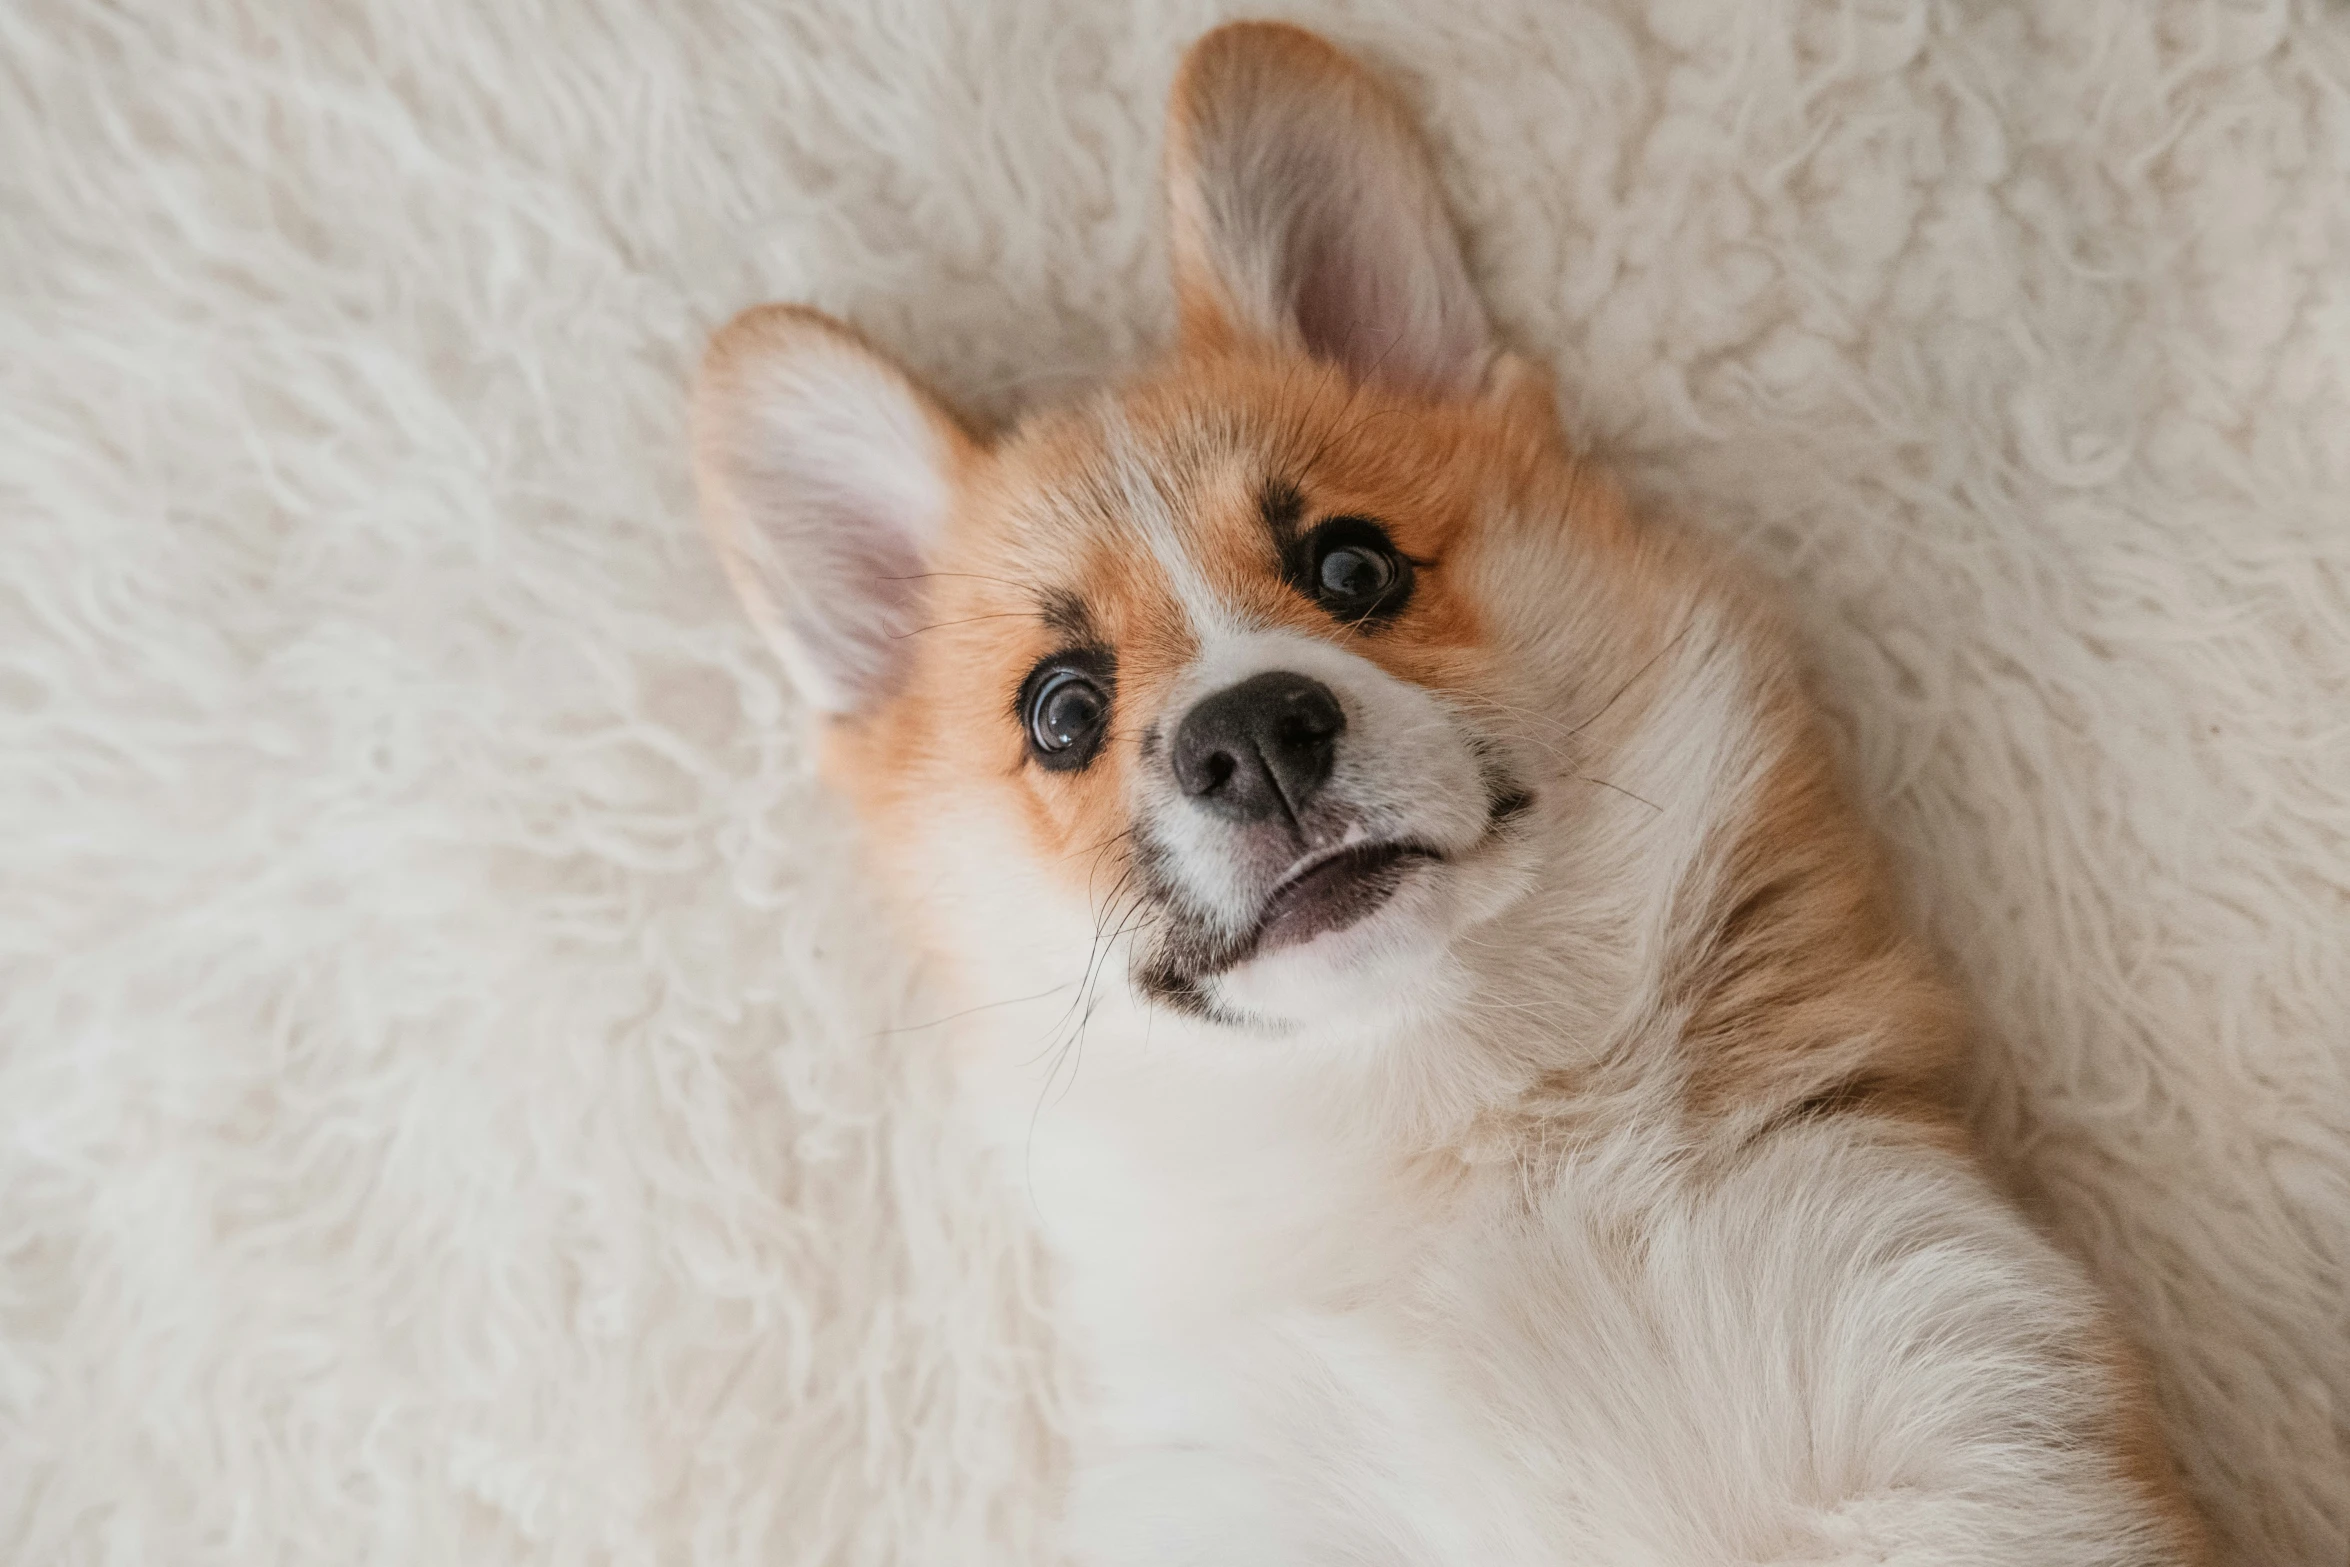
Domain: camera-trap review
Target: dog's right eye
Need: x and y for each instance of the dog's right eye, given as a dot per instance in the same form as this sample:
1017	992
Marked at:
1065	707
1352	568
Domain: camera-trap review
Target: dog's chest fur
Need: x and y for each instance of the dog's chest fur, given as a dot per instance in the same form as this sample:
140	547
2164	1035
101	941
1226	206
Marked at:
1303	1347
1251	1293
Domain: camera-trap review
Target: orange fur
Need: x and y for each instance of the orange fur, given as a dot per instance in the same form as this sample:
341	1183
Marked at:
1035	523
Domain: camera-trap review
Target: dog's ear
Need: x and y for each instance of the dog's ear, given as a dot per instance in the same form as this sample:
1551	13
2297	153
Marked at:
826	474
1304	209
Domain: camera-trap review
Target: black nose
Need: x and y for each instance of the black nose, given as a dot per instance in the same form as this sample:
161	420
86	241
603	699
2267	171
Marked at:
1261	748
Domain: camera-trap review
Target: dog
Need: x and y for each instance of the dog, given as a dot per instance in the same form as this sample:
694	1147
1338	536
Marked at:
1469	1065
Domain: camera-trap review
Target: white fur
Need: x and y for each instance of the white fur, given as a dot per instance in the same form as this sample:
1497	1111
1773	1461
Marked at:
1147	511
828	479
446	1109
1313	1334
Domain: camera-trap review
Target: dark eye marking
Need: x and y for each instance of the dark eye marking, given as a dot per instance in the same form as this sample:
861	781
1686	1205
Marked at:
1065	612
1350	567
1063	707
1282	507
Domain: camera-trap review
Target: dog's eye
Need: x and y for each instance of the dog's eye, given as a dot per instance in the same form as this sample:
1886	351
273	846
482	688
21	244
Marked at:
1353	570
1352	574
1065	710
1068	711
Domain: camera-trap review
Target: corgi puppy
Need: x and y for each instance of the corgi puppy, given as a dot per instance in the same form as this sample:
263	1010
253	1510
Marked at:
1408	935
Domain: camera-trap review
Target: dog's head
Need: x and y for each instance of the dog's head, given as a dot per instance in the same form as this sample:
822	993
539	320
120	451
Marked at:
1274	676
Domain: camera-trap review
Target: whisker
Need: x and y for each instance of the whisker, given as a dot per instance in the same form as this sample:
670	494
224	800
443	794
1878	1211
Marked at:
1564	733
1098	844
985	1006
1094	953
971	576
968	620
1095	869
1678	638
1620	789
1074	1052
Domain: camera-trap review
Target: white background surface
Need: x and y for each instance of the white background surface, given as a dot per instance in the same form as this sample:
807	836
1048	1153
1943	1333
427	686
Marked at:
443	1108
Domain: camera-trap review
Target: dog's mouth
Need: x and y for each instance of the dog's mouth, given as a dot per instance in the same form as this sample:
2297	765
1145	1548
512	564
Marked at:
1322	893
1326	892
1331	892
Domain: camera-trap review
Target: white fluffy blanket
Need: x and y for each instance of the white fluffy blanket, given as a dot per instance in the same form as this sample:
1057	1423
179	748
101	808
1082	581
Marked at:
448	1110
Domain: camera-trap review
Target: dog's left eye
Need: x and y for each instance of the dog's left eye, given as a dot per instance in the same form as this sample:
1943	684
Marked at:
1352	574
1350	567
1065	707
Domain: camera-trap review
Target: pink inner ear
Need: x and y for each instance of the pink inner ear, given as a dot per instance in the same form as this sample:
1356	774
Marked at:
1366	302
1372	271
831	474
1346	316
1336	308
857	615
1306	207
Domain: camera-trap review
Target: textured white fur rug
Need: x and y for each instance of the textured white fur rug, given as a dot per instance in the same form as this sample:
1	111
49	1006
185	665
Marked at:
447	1111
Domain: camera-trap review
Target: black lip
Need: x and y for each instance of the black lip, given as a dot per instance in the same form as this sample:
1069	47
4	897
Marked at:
1332	893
